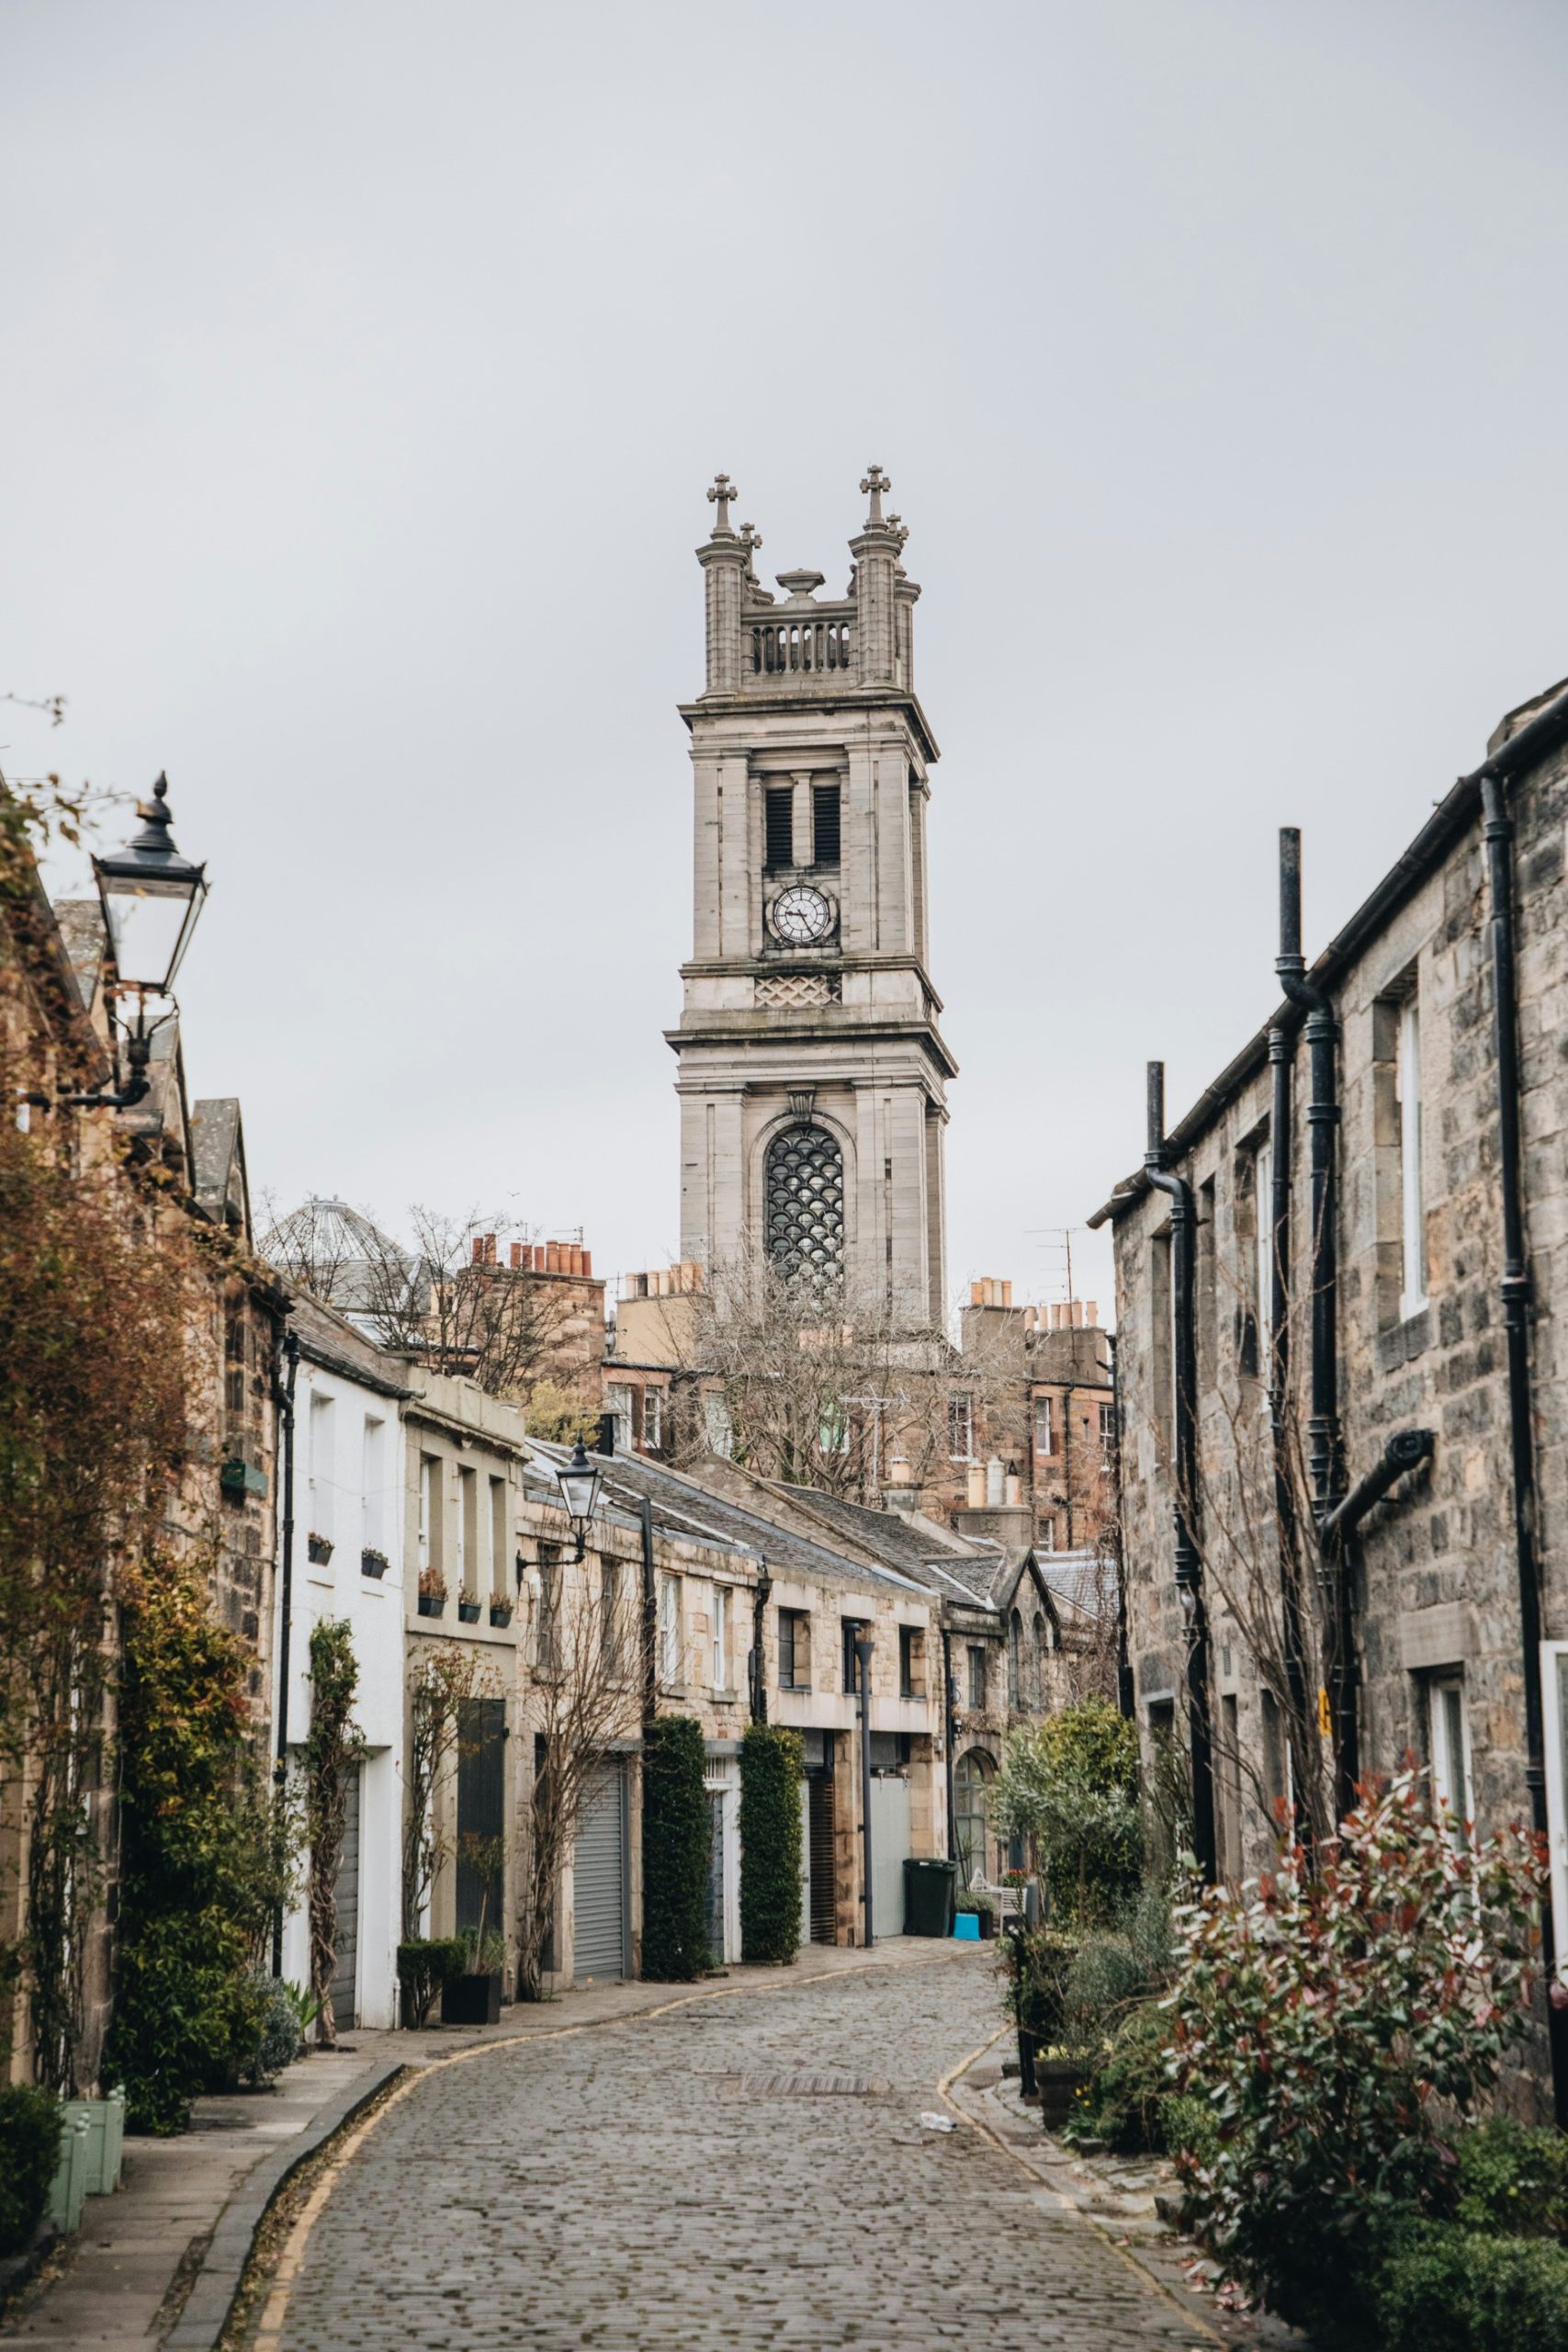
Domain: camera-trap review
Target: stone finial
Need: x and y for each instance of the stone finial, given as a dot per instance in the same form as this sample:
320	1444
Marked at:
751	540
721	493
875	482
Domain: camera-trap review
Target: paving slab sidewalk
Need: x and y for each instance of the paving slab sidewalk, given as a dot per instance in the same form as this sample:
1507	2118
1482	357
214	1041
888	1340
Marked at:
157	2263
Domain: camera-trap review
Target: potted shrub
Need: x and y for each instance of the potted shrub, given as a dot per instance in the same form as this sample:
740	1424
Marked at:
373	1562
425	1965
499	1611
31	2125
472	1996
432	1593
321	1550
467	1607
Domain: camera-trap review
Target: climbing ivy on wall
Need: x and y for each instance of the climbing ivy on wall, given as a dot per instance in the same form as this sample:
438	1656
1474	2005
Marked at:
333	1747
772	1759
675	1835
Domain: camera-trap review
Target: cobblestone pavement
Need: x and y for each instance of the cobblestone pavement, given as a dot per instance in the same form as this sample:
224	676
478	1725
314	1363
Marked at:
693	2180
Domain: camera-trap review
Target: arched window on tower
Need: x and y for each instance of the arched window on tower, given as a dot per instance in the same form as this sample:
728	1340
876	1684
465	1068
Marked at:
805	1208
969	1782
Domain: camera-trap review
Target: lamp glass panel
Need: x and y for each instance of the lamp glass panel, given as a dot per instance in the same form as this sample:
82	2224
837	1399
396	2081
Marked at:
149	921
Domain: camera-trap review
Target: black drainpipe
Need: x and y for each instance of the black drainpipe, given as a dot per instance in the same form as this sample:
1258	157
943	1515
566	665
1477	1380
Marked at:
285	1395
863	1658
949	1691
1324	1457
759	1661
649	1618
1498	834
1124	1691
1281	1139
1188	1567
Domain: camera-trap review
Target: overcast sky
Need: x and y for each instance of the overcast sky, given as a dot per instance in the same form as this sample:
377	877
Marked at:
365	368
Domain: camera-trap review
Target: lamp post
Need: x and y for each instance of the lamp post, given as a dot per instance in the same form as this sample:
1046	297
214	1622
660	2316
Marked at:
578	1480
151	898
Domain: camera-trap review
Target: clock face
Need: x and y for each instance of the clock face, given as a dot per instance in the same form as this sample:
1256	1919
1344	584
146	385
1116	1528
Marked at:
802	915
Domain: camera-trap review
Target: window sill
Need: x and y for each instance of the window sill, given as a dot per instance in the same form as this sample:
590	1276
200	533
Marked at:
1402	1342
795	1689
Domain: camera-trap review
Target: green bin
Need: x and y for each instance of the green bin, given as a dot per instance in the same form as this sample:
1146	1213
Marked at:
930	1889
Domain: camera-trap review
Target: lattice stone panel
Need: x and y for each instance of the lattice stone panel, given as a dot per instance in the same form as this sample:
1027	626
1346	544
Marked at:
806	1204
800	988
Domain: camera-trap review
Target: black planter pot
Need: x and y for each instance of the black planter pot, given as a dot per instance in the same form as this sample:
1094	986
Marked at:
472	2000
468	1613
371	1564
987	1926
502	1617
430	1605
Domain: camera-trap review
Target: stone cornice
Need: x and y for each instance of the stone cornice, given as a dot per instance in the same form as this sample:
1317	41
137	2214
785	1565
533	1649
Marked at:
844	699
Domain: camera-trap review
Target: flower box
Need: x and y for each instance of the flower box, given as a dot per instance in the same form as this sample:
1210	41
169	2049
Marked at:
373	1562
69	2186
468	1613
433	1604
472	2000
319	1548
501	1612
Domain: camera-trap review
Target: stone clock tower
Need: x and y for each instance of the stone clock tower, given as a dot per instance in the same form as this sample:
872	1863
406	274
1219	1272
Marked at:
813	1075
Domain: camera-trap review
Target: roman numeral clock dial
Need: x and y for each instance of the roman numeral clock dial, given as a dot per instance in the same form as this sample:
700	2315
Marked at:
801	915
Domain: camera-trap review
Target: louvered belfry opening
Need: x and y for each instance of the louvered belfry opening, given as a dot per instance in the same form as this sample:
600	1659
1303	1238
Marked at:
805	1206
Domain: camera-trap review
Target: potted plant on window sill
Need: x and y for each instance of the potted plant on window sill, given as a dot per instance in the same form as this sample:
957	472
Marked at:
319	1548
373	1562
432	1593
499	1611
467	1607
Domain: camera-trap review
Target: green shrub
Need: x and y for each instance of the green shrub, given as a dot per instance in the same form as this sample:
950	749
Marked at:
1127	2096
1512	2179
31	2124
275	2011
1187	2128
424	1964
1441	2288
676	1834
772	1759
1069	1784
1036	1965
1327	2015
206	1855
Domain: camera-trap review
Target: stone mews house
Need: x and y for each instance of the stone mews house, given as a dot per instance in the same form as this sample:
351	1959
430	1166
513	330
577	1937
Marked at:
1010	1645
463	1463
755	1619
343	1559
1374	1190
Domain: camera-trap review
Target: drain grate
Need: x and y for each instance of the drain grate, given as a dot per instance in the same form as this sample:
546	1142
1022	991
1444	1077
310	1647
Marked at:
827	2084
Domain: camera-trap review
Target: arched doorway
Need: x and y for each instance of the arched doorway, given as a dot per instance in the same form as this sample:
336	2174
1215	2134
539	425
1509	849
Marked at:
971	1778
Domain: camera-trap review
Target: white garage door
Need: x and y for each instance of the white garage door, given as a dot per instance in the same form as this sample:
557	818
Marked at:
599	1880
889	1845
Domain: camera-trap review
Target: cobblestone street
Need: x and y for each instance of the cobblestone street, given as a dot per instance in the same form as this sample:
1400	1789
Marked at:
749	2170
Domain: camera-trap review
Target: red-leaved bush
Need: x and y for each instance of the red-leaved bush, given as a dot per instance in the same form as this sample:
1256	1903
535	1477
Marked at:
1331	2013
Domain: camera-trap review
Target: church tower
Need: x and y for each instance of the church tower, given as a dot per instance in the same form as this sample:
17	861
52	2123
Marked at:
812	1073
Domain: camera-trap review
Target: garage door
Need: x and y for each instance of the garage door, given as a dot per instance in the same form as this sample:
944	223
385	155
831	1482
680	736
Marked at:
346	1902
599	1879
889	1845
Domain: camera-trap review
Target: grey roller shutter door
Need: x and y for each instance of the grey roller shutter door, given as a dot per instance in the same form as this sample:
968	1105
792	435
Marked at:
599	1880
889	1845
345	1899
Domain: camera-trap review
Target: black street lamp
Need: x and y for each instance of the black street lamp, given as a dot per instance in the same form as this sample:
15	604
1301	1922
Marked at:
580	1480
151	898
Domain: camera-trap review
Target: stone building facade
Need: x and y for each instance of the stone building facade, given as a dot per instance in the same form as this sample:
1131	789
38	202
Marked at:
1405	1307
812	1071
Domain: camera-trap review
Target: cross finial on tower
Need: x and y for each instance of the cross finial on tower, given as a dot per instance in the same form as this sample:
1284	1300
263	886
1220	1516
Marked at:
875	482
750	540
721	493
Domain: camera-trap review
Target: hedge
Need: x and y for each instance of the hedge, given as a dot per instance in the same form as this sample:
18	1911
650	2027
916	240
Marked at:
31	2125
772	1762
676	1831
425	1965
1444	2289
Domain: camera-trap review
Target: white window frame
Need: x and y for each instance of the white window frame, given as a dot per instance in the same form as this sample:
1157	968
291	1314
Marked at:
1554	1714
652	1419
1263	1218
1412	1293
669	1658
961	1418
1457	1788
721	1637
1045	1418
618	1401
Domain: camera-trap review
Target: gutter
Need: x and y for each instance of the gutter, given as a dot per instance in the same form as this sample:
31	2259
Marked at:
1451	818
